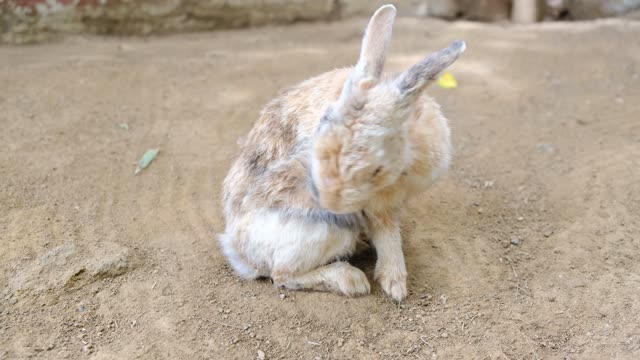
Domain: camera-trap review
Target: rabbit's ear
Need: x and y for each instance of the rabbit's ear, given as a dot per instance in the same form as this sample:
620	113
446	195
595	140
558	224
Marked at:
413	81
375	43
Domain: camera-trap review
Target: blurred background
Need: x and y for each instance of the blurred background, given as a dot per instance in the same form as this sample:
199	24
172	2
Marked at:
34	20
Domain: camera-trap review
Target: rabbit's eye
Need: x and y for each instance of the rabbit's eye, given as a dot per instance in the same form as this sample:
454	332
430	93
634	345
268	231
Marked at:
377	171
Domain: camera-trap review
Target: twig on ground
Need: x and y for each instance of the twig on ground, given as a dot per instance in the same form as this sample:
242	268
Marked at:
227	325
425	341
515	274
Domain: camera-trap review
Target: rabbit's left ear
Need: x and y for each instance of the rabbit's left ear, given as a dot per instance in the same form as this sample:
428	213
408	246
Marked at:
375	45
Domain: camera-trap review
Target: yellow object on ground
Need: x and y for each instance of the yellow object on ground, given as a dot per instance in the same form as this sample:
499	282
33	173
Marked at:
447	81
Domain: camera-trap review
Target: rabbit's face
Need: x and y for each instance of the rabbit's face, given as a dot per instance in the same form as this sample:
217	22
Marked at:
360	149
361	143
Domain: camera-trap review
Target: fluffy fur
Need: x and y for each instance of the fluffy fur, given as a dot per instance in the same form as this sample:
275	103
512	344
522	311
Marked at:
331	162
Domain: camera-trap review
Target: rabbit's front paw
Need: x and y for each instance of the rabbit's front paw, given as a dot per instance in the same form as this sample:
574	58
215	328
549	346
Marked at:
393	281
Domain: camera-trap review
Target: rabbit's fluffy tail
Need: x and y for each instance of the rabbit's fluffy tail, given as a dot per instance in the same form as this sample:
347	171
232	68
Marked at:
238	265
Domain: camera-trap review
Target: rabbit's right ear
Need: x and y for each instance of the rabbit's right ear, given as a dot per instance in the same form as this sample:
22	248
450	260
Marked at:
375	44
413	81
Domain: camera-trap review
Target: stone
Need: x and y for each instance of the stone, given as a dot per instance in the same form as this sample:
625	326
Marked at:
69	266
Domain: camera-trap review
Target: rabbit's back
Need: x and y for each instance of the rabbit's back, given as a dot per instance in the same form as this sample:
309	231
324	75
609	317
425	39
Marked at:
272	169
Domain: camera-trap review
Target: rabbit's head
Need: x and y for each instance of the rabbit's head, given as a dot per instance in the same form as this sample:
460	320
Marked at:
360	146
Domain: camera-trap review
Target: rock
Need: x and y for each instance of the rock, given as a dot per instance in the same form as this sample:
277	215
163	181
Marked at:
546	148
111	264
283	296
593	9
69	266
515	241
261	355
50	270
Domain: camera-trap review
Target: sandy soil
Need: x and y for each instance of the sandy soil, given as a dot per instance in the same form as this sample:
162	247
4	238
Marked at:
96	263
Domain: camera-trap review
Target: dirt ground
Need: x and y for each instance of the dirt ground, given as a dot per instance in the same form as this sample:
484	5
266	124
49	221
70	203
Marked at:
530	249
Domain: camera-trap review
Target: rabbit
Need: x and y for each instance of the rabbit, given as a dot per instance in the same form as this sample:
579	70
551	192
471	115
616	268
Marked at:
330	164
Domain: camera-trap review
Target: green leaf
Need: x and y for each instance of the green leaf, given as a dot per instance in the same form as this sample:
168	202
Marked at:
147	158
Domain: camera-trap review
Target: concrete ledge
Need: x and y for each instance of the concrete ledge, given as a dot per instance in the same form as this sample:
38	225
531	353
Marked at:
23	21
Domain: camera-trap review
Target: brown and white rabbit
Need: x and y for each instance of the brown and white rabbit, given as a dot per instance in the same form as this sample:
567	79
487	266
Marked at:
333	161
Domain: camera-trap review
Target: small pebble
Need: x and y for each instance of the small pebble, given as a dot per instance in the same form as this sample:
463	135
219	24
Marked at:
520	218
283	296
547	148
515	241
444	335
261	355
548	233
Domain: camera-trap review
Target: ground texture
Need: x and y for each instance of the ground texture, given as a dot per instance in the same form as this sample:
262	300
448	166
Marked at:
530	249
